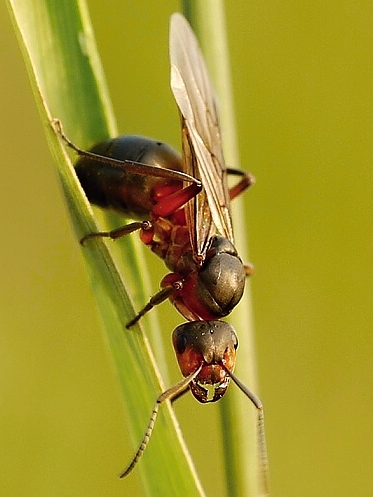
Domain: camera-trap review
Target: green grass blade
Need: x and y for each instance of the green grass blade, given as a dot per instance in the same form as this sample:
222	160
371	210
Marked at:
60	54
238	417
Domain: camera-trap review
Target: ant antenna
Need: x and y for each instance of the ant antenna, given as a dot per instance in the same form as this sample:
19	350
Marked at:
262	445
170	394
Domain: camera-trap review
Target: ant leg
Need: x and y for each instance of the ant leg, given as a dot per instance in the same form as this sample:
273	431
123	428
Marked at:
171	203
249	269
156	299
119	232
132	166
247	180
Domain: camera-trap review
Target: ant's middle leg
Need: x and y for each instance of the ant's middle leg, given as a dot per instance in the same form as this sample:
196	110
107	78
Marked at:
119	232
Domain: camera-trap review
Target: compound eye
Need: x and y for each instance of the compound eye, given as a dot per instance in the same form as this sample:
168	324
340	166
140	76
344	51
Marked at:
180	343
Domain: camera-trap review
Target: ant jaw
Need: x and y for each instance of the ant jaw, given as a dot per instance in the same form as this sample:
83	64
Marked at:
208	392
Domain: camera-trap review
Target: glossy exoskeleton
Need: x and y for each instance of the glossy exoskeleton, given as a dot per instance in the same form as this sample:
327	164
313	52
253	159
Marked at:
181	204
202	286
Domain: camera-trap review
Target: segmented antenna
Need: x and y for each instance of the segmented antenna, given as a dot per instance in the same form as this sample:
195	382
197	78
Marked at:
262	445
170	394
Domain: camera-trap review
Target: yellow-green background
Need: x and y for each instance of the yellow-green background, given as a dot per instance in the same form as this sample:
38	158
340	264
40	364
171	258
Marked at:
302	75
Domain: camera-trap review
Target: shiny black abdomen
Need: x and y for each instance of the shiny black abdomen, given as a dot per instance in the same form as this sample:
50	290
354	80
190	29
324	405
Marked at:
118	187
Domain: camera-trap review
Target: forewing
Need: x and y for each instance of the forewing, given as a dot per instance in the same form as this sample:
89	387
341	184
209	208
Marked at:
207	213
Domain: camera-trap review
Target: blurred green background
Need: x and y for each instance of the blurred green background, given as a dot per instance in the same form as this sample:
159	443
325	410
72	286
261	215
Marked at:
302	74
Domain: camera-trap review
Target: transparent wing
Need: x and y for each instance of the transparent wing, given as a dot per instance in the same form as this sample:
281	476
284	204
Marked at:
209	212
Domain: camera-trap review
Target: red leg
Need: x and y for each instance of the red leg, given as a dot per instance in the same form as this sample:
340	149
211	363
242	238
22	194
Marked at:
168	204
247	180
156	299
119	232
